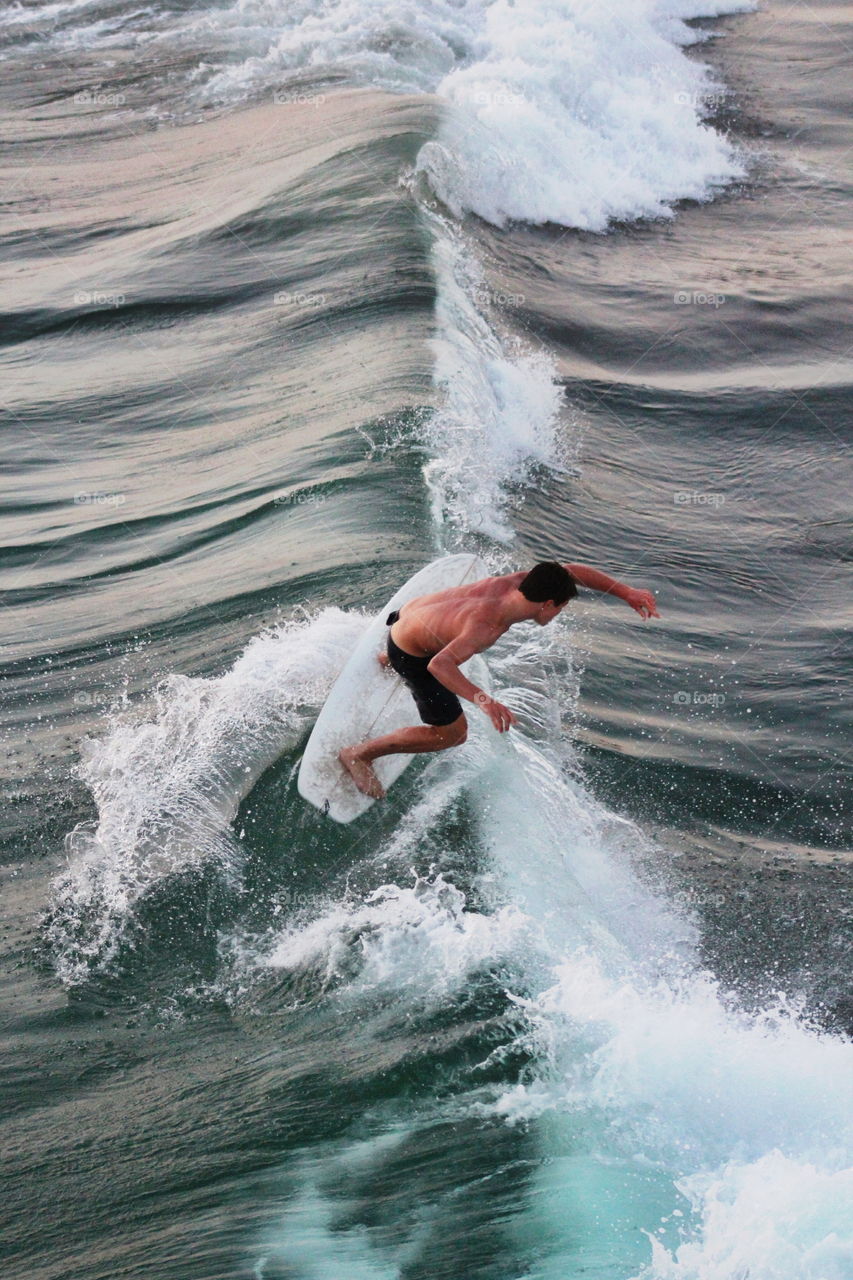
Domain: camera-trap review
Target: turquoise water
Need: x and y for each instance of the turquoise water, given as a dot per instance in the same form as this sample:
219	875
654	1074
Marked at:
296	301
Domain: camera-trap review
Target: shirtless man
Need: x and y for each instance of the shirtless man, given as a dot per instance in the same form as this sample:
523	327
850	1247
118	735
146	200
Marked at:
431	636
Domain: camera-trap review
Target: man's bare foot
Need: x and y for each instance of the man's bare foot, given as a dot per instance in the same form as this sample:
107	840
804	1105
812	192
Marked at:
362	774
382	658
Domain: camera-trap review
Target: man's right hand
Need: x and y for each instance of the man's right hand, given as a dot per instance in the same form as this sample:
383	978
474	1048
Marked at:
500	716
642	601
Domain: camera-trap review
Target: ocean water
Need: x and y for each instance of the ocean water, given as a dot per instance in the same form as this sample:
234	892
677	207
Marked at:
297	297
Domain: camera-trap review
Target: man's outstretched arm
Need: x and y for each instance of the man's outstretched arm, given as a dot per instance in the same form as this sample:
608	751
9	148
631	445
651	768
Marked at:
642	601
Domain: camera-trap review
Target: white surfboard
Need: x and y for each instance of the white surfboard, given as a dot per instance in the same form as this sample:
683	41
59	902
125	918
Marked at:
367	700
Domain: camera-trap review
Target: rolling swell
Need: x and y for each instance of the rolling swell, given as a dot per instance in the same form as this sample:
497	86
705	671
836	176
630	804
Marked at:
205	351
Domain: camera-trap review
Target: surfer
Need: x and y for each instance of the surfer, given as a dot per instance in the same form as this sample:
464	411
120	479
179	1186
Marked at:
431	636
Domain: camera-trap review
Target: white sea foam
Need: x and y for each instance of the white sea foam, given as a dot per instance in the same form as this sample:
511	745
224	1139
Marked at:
498	409
416	938
750	1116
561	111
167	784
646	1075
578	113
644	1063
20	14
683	1074
775	1218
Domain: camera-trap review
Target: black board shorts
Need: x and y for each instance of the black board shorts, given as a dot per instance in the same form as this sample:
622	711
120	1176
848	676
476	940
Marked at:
436	704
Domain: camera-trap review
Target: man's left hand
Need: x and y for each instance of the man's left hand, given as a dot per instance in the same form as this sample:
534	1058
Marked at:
643	602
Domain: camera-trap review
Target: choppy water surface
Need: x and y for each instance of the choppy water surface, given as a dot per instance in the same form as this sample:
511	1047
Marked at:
296	298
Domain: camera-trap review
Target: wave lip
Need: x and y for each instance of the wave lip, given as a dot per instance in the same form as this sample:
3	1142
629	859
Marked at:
559	111
579	114
498	412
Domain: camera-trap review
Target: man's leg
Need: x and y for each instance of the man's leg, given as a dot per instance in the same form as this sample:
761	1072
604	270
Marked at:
412	741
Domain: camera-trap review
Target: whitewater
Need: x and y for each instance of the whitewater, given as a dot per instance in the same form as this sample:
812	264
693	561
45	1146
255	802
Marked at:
674	1101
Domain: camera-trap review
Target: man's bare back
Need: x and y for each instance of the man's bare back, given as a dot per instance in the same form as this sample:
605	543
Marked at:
429	623
432	636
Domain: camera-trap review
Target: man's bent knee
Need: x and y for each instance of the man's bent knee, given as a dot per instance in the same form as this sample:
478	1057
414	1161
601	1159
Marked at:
453	734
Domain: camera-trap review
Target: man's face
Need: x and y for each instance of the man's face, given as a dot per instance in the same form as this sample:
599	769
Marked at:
548	611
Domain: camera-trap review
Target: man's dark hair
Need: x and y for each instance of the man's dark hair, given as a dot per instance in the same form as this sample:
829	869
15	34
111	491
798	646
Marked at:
548	581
